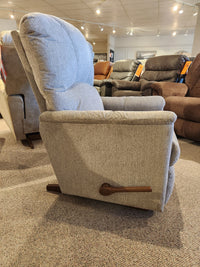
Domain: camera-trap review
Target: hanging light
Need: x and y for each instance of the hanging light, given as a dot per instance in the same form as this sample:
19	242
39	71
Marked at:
175	8
98	11
174	33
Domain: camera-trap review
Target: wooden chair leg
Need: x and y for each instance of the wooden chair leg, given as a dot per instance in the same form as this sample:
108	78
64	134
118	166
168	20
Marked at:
53	188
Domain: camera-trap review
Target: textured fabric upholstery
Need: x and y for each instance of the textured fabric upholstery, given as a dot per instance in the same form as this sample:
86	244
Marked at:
17	90
56	78
90	147
162	68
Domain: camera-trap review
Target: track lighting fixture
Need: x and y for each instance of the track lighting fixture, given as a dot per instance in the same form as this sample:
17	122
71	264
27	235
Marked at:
181	10
12	16
175	8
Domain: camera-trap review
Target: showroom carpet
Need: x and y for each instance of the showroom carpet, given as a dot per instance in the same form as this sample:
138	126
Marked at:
38	228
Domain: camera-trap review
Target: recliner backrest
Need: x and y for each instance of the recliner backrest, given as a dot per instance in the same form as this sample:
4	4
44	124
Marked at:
49	45
124	70
193	78
164	68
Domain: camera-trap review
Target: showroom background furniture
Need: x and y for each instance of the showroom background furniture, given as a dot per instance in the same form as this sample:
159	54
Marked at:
81	137
124	70
160	68
184	100
18	105
102	70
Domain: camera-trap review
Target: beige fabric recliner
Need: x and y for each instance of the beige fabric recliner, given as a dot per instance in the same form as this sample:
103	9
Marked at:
124	156
18	105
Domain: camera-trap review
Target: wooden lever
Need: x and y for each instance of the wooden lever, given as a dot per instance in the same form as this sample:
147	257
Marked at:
107	189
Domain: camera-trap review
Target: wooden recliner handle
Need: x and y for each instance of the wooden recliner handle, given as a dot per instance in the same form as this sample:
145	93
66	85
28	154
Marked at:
106	189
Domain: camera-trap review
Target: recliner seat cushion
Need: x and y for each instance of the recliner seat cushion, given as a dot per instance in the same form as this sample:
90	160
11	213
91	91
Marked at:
43	35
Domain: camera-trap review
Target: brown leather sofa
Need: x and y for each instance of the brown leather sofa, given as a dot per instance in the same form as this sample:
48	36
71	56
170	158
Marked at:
184	100
102	70
161	68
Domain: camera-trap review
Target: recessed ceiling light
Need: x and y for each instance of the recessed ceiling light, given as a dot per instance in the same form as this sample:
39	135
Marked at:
195	13
12	16
114	31
175	8
98	11
174	34
180	11
93	43
82	27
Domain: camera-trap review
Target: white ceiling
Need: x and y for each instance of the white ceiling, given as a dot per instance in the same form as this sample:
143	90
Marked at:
143	17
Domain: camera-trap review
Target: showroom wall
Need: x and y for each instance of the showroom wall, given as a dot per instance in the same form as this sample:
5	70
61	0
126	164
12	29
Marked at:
128	47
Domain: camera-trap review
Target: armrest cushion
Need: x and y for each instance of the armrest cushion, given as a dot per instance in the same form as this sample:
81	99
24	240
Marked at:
146	103
166	89
109	117
126	85
98	82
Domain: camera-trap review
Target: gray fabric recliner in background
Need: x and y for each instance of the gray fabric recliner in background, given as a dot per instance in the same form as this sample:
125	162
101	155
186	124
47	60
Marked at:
18	105
124	156
123	70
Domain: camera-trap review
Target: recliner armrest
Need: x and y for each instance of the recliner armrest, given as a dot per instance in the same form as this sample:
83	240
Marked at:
166	89
146	103
98	82
126	85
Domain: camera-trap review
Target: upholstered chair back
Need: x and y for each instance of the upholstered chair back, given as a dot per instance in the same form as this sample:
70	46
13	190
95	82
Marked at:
164	68
61	61
124	70
20	111
193	78
102	70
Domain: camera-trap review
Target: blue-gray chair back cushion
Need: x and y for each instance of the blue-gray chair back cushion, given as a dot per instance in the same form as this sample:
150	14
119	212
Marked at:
61	59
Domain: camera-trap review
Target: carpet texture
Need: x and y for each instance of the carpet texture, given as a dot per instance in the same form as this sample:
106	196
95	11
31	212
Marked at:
38	228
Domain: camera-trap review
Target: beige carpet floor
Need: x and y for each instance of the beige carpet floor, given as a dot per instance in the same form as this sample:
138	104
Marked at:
38	228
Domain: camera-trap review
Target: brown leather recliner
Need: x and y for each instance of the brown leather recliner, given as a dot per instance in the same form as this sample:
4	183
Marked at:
102	70
160	68
184	100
